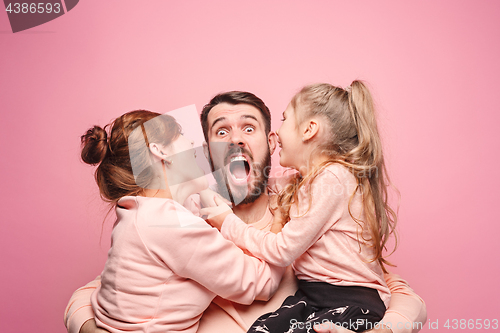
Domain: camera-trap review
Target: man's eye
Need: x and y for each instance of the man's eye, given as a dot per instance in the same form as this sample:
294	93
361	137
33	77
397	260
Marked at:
249	129
221	132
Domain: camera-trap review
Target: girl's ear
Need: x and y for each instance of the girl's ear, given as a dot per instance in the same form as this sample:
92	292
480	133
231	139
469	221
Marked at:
310	130
272	139
155	149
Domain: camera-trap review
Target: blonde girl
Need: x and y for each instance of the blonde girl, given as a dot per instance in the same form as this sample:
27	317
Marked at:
337	213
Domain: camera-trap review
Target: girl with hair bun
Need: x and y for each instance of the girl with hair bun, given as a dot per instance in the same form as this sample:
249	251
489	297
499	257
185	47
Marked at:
164	266
339	219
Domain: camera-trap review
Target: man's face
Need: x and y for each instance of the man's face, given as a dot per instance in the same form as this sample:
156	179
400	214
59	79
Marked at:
240	149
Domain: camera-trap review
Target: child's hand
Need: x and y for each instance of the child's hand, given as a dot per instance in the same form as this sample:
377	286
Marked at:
215	216
207	198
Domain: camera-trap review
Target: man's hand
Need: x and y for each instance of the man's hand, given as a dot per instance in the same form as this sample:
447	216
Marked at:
215	216
90	327
332	328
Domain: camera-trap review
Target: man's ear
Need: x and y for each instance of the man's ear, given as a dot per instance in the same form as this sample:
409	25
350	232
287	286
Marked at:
311	129
206	151
272	139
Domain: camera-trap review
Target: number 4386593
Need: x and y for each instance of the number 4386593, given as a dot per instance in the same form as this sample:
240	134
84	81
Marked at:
33	8
471	324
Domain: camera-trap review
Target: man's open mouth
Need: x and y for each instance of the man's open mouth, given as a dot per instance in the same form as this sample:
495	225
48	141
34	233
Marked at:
239	169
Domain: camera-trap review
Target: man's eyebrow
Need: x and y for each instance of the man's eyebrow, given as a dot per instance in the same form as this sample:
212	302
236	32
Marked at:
245	116
217	120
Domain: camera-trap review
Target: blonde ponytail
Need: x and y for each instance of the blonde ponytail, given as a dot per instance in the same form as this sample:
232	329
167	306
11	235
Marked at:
369	148
380	216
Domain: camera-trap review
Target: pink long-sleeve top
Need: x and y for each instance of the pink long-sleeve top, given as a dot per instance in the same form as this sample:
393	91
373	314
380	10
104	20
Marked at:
166	265
321	241
407	312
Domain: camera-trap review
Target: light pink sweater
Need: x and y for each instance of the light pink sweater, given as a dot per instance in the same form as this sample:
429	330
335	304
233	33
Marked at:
166	265
321	241
406	313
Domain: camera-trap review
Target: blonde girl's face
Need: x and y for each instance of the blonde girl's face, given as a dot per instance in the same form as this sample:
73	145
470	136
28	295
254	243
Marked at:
290	140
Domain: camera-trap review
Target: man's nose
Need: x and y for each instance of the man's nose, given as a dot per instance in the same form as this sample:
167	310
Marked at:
236	139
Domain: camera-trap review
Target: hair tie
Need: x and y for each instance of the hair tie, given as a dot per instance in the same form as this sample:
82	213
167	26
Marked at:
145	135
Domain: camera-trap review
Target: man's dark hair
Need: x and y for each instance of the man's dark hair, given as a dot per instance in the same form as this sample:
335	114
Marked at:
234	98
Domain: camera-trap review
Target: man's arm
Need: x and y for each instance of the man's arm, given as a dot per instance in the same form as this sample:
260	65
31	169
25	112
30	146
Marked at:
78	314
406	313
91	327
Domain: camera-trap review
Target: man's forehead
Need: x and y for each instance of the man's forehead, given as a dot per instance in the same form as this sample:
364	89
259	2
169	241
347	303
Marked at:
234	112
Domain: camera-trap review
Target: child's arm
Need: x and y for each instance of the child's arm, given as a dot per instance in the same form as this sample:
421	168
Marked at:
79	309
299	233
199	252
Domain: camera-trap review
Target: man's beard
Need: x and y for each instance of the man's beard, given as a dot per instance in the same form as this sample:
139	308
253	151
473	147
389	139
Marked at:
248	193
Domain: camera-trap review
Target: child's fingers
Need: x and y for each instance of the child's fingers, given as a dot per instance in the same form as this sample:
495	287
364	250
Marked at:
215	215
207	198
218	199
210	212
206	211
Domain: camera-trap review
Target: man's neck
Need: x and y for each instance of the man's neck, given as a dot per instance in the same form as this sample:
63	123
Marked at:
253	212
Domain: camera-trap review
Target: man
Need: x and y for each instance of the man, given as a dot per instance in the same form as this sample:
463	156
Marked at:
240	123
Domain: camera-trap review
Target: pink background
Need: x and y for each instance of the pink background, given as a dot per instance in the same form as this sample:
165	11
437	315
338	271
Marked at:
433	66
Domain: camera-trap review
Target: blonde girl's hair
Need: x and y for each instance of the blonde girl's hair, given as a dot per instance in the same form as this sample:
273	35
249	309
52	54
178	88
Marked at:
353	141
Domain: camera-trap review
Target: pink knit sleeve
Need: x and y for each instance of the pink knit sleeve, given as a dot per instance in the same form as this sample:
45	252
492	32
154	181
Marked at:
299	233
199	252
407	312
79	308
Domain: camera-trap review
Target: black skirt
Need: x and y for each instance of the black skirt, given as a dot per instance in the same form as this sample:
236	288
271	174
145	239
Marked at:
354	308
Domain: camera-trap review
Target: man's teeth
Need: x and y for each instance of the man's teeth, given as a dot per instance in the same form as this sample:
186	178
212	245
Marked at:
239	170
238	158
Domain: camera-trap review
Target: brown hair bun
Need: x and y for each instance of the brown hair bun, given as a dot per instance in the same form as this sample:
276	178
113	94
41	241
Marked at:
94	145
